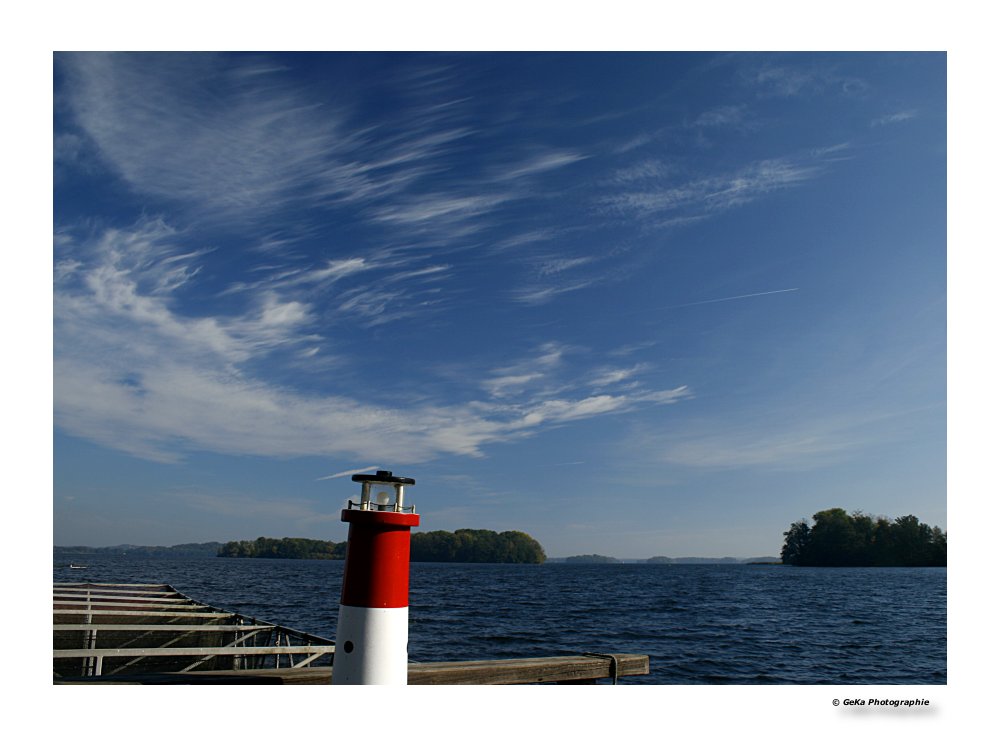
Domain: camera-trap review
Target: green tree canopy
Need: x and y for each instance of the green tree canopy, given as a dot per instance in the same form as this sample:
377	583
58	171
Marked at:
475	545
288	548
837	538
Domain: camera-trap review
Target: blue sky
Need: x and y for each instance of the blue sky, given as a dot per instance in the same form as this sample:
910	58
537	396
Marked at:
631	304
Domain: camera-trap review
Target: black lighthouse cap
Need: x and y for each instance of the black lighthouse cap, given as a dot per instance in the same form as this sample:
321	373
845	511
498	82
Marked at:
383	476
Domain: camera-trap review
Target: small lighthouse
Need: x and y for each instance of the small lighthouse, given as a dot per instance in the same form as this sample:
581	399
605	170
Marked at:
373	625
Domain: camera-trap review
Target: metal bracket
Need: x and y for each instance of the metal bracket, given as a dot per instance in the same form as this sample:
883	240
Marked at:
614	664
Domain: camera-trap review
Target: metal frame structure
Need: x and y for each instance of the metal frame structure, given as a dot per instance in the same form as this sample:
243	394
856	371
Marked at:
122	628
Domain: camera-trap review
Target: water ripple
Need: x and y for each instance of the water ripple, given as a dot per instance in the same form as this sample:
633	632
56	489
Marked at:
712	624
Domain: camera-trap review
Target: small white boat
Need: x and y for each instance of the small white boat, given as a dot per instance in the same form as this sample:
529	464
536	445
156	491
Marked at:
77	567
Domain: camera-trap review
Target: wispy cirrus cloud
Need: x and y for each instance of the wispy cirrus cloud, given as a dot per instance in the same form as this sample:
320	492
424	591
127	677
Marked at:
439	209
534	295
896	117
233	140
555	265
334	270
539	164
771	78
784	81
787	450
700	196
233	136
565	410
645	170
721	117
148	116
552	274
540	368
506	385
133	372
130	277
777	440
609	376
529	238
637	141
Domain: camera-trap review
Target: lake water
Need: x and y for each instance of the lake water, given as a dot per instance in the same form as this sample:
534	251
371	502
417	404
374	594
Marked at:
699	624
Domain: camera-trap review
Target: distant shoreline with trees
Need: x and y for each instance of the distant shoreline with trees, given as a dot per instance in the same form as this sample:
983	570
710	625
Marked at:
463	545
839	539
286	548
428	549
192	549
835	539
594	559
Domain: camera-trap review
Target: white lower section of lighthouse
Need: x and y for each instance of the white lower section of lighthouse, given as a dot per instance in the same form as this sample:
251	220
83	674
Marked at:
371	646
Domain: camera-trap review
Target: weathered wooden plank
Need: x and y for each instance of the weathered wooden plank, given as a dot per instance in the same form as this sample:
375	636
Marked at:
252	677
150	586
174	614
206	627
103	605
521	671
60	588
112	600
479	672
149	594
191	651
136	587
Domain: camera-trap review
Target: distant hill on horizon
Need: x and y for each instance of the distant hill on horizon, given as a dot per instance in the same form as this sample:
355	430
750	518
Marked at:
591	560
211	549
661	560
710	560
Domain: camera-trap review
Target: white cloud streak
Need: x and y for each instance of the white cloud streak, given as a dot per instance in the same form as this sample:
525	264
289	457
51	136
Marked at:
615	375
345	473
146	113
536	295
731	298
781	439
235	139
133	373
897	117
720	117
712	194
540	164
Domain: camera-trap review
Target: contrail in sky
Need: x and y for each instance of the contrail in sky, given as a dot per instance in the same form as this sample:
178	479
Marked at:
730	298
348	472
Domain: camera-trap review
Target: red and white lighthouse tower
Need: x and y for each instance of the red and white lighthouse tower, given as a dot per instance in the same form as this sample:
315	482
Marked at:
373	625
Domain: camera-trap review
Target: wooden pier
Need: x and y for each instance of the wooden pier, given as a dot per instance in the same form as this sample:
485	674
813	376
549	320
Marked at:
103	629
154	635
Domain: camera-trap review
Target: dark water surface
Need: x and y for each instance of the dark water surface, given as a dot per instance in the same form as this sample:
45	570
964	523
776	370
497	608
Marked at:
699	624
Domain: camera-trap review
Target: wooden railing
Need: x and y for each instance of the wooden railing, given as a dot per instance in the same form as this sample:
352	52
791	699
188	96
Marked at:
579	669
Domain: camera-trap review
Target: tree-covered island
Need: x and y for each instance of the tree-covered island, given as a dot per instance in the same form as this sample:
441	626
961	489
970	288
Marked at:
463	545
593	560
476	545
839	539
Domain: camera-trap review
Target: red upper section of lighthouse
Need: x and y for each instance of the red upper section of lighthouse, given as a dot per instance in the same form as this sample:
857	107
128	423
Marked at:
377	571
